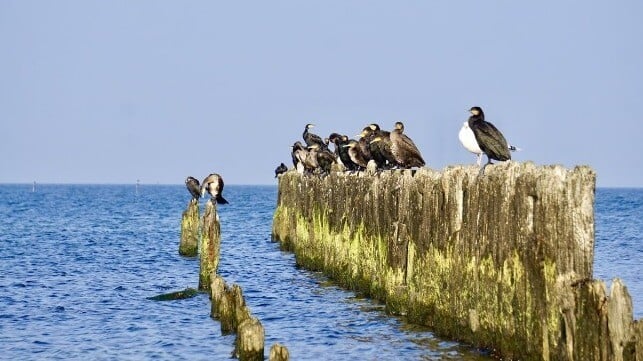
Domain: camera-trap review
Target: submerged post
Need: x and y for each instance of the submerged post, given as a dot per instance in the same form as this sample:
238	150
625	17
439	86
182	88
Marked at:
210	245
279	352
189	245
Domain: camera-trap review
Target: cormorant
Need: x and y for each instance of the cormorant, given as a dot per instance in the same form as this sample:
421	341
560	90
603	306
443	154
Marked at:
311	138
356	154
280	169
468	140
325	158
193	187
213	184
381	150
406	153
341	151
295	147
488	138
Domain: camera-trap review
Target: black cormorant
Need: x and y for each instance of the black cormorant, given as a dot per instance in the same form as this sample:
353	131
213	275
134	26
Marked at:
282	168
488	138
406	153
341	151
311	138
293	153
325	158
213	184
356	154
193	187
380	150
470	143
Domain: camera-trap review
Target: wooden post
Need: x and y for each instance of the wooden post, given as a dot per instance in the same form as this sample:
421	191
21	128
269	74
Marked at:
189	245
217	292
279	353
250	340
210	245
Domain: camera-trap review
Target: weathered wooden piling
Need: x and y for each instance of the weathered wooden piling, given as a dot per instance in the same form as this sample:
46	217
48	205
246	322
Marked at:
250	340
210	245
190	229
279	352
502	260
229	307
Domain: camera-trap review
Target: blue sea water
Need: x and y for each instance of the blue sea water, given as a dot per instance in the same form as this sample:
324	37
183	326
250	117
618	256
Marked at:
78	262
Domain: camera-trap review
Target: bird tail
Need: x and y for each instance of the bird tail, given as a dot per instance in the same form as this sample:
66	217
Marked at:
221	200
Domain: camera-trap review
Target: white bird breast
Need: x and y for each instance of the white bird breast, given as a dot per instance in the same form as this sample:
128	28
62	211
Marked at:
468	139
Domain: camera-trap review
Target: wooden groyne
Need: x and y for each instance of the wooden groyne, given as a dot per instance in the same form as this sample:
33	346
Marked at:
502	261
227	303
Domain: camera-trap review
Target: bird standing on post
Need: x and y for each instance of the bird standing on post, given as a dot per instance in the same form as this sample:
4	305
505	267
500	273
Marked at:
213	184
311	138
281	169
406	153
192	185
479	136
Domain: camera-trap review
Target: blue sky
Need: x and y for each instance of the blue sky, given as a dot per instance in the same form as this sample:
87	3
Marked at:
115	91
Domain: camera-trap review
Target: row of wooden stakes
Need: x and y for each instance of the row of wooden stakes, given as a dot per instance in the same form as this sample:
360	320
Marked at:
228	304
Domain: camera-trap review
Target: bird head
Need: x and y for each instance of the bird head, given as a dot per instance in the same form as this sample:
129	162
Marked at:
476	111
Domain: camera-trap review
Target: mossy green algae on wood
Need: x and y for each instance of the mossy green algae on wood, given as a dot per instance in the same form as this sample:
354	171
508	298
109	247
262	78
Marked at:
477	258
190	230
210	245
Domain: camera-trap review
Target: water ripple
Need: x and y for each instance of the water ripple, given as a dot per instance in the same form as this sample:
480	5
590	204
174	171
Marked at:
78	263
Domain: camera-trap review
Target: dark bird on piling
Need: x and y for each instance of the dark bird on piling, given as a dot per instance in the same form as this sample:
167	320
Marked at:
356	154
281	169
299	156
213	184
193	187
487	137
469	141
341	151
311	138
295	148
325	158
380	150
406	153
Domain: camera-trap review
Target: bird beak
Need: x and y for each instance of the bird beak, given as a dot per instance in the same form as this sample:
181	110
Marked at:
362	134
376	140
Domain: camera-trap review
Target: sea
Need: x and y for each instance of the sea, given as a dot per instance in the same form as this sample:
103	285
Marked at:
78	264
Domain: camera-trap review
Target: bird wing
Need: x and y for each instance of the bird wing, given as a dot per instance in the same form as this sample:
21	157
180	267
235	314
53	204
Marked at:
491	141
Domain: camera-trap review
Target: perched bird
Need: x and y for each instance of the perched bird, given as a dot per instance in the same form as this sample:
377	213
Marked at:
341	151
384	146
356	154
213	184
282	168
311	138
193	187
295	148
380	151
406	153
325	158
479	136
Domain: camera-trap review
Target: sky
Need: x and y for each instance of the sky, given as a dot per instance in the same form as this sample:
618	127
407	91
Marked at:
152	90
